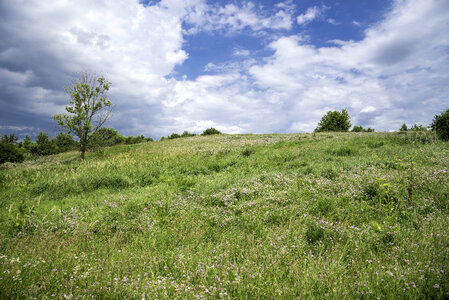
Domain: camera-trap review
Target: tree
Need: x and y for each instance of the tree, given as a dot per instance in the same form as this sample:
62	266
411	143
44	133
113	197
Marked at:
64	142
403	127
11	139
210	131
334	121
440	125
43	145
89	108
105	137
360	128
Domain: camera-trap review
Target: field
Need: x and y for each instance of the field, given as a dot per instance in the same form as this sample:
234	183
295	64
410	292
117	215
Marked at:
281	216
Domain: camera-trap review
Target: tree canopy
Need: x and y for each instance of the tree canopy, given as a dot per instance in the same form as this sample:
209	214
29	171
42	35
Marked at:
334	121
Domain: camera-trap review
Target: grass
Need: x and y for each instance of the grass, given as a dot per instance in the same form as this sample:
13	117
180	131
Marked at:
231	216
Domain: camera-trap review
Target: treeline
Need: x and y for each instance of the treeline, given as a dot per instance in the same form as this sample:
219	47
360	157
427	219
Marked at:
209	131
13	150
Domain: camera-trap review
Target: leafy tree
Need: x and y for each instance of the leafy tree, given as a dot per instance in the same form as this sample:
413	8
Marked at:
43	145
11	139
10	153
89	108
403	127
357	128
210	131
64	142
187	134
105	137
334	121
440	125
135	140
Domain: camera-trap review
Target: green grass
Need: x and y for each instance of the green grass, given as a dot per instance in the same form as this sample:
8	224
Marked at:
338	215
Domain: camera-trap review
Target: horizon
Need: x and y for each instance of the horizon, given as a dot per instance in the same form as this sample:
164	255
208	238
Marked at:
240	67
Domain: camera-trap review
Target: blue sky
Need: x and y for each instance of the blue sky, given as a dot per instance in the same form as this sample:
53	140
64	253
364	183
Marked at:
238	66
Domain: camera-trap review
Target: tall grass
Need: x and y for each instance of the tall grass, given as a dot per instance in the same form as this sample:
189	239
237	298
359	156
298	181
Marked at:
231	216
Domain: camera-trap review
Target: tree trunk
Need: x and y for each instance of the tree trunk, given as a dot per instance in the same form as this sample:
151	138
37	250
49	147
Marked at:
83	146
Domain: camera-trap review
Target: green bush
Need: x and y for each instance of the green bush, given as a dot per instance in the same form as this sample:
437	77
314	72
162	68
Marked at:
44	145
10	153
210	131
105	137
334	121
64	142
357	128
440	125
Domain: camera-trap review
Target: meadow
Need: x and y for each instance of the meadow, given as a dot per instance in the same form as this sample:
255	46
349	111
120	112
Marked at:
271	216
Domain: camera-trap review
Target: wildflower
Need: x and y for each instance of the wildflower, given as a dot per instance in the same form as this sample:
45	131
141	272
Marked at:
436	286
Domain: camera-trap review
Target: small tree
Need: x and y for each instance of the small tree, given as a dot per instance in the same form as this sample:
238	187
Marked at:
334	121
89	108
403	127
210	131
440	125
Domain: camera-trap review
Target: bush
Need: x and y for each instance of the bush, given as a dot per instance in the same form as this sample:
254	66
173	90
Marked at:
357	128
210	131
105	137
174	136
43	145
64	142
440	125
187	134
334	121
10	153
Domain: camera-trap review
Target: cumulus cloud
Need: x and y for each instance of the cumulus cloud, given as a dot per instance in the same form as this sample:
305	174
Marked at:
234	18
311	14
398	69
398	72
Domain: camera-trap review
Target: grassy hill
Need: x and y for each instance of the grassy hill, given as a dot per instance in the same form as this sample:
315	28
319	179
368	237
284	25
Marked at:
233	216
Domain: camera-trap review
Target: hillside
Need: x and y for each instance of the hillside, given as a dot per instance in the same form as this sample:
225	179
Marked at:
235	216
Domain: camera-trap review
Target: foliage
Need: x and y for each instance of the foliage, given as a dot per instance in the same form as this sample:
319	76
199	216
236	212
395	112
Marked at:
10	153
64	142
174	136
440	125
403	127
11	139
28	145
357	128
210	131
334	121
105	137
135	140
89	108
187	134
275	216
43	145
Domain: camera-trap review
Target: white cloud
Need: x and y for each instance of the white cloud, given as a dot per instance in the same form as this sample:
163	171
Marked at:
399	69
356	23
398	72
311	14
234	18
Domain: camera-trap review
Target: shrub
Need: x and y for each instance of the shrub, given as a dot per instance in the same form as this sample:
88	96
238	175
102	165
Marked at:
64	142
440	125
105	137
357	128
187	134
174	136
334	121
210	131
403	127
43	145
10	153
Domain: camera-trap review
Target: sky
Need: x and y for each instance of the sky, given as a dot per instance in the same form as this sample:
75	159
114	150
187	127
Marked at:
238	66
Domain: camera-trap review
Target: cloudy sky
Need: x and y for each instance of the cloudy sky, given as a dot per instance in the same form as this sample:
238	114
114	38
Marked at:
254	66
